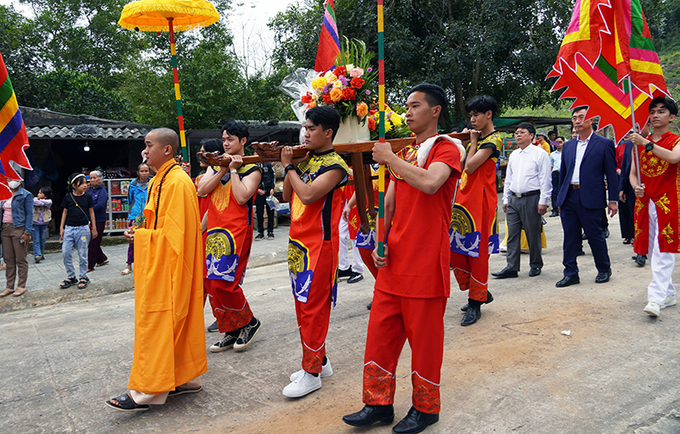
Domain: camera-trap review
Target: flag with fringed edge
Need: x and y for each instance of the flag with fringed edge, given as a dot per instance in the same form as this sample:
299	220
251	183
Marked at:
606	42
329	42
13	136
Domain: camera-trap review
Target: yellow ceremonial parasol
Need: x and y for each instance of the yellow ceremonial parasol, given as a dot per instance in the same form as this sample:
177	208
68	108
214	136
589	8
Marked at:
170	15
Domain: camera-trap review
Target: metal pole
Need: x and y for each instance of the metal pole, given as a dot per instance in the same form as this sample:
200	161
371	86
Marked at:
632	116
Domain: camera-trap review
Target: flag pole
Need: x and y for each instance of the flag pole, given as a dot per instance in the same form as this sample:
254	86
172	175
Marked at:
178	97
632	117
381	129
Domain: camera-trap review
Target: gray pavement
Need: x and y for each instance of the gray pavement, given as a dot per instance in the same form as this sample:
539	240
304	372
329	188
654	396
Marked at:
512	372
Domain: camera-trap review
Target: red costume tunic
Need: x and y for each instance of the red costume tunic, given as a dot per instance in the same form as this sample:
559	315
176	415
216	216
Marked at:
313	256
662	185
410	292
474	223
227	249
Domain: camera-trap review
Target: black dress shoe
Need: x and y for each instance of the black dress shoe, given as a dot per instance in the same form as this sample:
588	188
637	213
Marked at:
603	276
504	273
472	315
344	273
640	260
355	277
489	299
369	305
415	422
568	280
535	271
606	233
555	213
370	414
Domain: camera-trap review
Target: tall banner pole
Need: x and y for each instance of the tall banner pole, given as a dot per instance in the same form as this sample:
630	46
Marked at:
178	97
632	117
381	129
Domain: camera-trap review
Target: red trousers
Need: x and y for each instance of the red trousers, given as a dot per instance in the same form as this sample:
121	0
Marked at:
472	274
393	320
314	316
229	305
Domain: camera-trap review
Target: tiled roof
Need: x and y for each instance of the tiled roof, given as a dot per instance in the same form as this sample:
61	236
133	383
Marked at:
86	131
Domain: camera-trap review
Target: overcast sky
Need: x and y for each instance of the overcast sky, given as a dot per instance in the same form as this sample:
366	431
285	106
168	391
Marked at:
248	22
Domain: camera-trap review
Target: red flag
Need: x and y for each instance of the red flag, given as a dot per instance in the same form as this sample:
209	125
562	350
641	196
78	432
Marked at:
606	42
329	42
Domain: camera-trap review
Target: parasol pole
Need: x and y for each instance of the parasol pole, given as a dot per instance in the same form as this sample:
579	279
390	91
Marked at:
632	117
178	98
381	129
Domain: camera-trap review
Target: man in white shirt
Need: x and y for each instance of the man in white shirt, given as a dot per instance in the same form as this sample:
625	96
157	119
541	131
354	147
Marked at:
525	199
555	161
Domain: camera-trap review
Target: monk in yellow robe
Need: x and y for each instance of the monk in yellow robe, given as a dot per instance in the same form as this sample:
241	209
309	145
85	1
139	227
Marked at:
169	353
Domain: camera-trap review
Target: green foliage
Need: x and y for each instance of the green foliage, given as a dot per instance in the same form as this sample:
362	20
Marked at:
504	49
18	38
78	93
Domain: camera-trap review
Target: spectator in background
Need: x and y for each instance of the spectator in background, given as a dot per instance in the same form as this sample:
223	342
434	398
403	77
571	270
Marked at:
17	225
42	215
96	256
542	139
265	189
137	200
555	161
74	230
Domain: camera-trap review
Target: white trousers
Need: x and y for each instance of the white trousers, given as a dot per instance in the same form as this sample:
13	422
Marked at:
662	263
343	254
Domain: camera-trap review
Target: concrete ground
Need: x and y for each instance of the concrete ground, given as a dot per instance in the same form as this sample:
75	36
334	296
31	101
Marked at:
512	372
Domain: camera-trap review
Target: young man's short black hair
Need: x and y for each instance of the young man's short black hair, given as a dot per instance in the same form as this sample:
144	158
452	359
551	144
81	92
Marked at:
482	104
212	145
527	126
666	103
561	137
434	95
326	116
581	107
236	128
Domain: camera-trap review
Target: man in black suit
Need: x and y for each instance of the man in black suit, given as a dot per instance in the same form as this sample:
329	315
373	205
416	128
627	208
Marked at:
586	160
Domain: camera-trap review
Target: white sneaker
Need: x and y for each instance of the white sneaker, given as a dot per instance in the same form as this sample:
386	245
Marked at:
303	385
652	309
326	371
669	301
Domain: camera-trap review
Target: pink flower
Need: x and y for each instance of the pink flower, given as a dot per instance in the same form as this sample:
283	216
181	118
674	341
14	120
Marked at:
356	72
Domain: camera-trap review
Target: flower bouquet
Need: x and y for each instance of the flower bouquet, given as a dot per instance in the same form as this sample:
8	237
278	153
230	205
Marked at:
347	86
395	124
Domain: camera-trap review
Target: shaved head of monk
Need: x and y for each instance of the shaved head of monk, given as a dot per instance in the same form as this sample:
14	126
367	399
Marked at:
161	146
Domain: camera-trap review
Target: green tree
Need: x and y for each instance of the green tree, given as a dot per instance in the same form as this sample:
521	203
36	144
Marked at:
18	39
77	93
504	49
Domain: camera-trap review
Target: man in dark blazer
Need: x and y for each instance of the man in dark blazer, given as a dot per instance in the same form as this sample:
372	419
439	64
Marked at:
586	160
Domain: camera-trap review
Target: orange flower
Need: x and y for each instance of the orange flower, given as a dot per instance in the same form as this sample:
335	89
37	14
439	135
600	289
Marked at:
336	95
306	99
340	70
349	94
357	83
371	124
327	99
312	104
362	109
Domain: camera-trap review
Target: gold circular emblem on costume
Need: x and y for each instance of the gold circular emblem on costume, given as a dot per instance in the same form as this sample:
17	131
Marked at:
460	222
653	166
217	245
296	259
